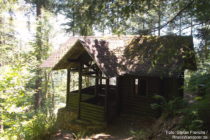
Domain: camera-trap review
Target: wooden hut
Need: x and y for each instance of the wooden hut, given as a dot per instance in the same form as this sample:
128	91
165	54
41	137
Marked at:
142	66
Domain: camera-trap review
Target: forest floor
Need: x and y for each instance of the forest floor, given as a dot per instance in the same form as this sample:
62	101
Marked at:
120	129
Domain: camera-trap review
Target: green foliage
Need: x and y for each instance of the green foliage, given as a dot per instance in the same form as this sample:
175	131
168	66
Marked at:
199	81
191	121
39	127
169	108
15	99
139	135
117	16
80	134
196	116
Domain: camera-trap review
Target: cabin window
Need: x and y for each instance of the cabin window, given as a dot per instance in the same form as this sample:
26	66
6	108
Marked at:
113	81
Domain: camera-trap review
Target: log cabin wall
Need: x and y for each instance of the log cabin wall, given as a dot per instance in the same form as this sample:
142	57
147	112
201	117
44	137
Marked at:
131	100
150	86
173	87
126	86
140	86
136	92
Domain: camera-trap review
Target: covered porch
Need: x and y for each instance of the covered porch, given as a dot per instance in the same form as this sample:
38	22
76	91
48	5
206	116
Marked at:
98	103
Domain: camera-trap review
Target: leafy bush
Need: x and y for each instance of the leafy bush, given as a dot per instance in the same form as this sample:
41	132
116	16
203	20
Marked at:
168	108
80	134
196	116
19	120
39	127
139	135
199	82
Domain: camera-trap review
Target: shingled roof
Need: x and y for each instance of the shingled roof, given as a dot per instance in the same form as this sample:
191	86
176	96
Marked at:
119	55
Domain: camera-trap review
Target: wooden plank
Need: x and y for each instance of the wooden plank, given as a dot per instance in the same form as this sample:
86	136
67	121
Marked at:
136	104
100	115
96	84
92	119
74	104
68	86
119	103
93	115
106	100
91	105
80	88
86	96
92	109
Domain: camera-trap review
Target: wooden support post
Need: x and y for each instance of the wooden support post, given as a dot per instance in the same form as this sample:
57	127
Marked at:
106	101
100	81
96	84
68	88
80	89
119	99
100	78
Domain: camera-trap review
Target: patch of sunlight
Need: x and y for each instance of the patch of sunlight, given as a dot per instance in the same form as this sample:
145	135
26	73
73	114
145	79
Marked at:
99	136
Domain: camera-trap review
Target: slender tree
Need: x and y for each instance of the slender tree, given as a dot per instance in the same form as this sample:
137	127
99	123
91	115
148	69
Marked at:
40	5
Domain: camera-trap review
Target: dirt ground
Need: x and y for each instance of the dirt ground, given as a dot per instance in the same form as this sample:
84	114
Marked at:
119	129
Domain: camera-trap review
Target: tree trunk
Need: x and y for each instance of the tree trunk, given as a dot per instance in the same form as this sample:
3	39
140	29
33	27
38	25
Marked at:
38	50
159	17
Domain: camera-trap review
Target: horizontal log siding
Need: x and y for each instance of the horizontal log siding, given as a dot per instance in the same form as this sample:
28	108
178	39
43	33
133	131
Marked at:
73	100
92	112
138	106
89	112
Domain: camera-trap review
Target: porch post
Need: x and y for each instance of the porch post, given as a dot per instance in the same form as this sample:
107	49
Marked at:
80	88
96	84
100	81
68	88
119	103
106	101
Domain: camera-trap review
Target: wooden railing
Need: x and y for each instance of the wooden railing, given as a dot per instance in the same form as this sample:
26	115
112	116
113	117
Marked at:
74	100
88	111
92	112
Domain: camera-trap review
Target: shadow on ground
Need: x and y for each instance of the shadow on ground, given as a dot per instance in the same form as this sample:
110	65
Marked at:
119	129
